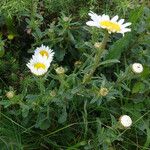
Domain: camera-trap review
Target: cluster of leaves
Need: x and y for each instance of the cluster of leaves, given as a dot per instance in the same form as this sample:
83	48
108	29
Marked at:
42	111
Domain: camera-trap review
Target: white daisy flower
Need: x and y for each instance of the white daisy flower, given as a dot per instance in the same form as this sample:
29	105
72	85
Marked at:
137	68
38	65
112	25
45	52
125	121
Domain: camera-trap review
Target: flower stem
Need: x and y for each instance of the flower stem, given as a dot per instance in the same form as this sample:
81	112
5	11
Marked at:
100	50
40	83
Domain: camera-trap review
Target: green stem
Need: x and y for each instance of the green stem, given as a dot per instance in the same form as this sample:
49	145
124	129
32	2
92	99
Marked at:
147	143
40	83
85	119
97	57
63	83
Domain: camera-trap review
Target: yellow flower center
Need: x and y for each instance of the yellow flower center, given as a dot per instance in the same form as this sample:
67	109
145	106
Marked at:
111	26
44	53
39	66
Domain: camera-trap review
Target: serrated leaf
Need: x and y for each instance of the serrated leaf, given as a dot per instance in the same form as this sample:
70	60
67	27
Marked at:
111	61
124	86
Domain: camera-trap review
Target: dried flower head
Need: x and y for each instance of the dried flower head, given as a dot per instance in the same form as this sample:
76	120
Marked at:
10	94
28	31
97	45
66	19
103	91
53	93
78	63
60	70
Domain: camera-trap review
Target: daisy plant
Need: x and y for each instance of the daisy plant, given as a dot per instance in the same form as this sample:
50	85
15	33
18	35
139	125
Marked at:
40	62
110	26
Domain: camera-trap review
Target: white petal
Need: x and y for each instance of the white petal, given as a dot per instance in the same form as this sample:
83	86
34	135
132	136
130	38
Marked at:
106	17
91	23
114	19
103	17
94	16
126	24
121	21
126	30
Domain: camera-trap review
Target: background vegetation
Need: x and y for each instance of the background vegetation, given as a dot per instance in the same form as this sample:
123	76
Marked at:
59	111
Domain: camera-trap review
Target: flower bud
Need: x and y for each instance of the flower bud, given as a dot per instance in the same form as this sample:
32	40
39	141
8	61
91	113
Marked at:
10	94
60	70
125	121
29	31
53	93
77	63
10	36
66	19
137	68
103	91
97	45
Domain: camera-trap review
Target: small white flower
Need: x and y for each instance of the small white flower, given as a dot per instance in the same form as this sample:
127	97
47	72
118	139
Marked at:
45	52
38	65
137	68
112	25
125	121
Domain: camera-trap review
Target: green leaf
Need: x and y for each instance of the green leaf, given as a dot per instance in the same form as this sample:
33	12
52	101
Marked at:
110	61
59	54
42	121
63	117
6	103
25	110
2	52
124	86
45	124
123	44
113	120
138	87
